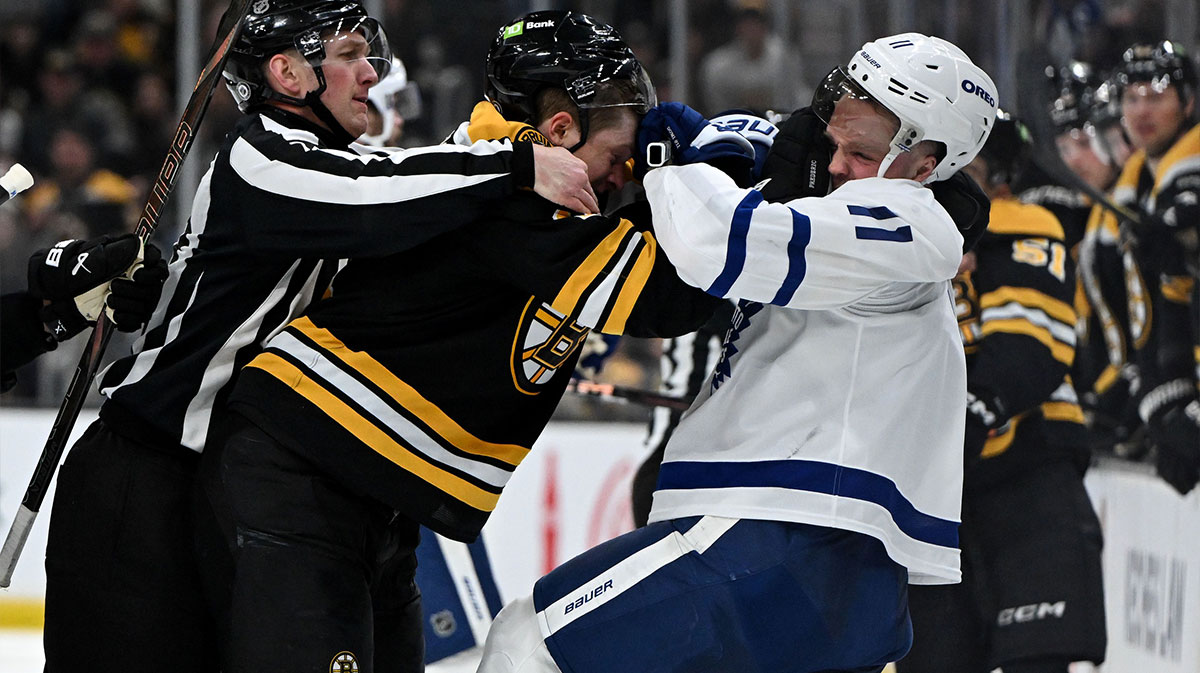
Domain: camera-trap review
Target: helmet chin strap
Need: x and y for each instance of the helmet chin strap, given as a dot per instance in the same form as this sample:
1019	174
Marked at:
583	131
902	142
313	100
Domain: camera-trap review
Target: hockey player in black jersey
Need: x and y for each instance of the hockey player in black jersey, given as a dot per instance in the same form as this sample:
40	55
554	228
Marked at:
410	394
1160	183
287	194
1092	144
1029	536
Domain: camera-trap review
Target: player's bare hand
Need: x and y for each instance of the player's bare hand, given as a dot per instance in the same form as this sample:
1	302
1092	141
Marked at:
561	177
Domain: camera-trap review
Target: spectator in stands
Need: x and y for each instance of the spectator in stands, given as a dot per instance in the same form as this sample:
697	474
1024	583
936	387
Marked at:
102	201
756	70
63	102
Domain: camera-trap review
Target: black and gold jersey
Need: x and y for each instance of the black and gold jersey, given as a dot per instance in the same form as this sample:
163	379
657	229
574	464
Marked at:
426	376
1160	258
1017	322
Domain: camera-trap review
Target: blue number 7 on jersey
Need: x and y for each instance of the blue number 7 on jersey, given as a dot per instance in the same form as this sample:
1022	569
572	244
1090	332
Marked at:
903	234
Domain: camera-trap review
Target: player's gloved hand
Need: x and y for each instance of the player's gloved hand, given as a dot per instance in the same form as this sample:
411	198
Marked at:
967	205
134	295
74	277
688	138
594	352
798	163
760	132
1173	424
984	413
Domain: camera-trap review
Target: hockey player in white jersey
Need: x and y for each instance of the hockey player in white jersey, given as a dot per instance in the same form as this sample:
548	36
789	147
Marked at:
820	472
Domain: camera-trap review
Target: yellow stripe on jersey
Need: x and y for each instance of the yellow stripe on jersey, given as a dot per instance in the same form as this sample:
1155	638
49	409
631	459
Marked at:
409	398
567	301
1010	217
1177	289
1062	411
1057	309
631	289
368	433
1186	147
998	444
1064	353
1107	377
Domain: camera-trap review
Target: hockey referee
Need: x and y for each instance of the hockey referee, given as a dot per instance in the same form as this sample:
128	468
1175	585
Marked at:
288	193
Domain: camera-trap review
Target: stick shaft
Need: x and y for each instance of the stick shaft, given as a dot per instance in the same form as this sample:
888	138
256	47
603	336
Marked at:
68	411
613	393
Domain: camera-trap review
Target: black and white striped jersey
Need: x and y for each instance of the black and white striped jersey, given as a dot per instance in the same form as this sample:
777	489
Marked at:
277	208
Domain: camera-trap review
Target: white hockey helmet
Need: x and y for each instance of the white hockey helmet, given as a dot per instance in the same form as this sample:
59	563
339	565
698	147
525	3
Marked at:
930	85
383	97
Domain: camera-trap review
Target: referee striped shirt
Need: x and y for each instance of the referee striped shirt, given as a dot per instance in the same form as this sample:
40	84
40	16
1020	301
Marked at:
278	207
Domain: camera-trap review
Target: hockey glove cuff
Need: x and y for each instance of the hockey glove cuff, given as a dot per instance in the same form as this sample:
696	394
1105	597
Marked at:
760	132
967	205
675	133
798	163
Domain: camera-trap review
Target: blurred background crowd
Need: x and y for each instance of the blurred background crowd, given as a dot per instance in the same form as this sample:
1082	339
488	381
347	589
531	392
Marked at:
90	93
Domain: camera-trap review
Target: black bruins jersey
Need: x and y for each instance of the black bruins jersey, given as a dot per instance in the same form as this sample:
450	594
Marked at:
1095	349
1160	288
1017	321
426	376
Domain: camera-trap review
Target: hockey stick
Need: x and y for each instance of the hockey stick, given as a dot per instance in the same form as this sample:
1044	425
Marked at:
81	380
1049	161
13	182
611	393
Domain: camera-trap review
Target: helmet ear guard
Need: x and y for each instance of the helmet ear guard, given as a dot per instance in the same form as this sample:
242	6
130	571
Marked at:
930	85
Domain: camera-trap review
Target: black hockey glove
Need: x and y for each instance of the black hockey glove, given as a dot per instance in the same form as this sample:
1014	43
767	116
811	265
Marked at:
74	277
798	164
1172	418
967	205
676	134
135	295
984	413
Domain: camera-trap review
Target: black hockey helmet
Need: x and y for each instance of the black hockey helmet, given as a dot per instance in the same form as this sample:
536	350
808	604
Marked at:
1161	64
1073	84
567	50
1104	104
1008	149
274	26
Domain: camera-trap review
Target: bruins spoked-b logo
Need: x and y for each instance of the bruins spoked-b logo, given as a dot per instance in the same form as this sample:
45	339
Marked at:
545	341
343	662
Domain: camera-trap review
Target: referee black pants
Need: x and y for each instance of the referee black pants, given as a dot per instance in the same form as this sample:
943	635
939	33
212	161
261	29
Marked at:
322	579
122	588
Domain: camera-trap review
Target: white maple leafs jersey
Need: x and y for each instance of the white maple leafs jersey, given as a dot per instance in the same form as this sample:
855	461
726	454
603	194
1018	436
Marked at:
839	398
